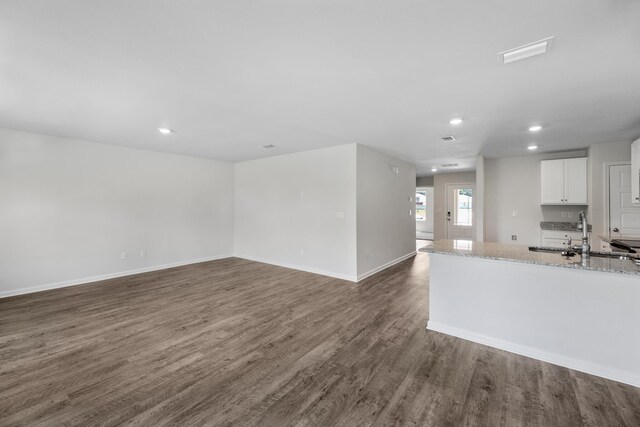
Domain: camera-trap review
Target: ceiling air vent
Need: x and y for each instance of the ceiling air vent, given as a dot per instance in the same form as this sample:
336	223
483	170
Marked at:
526	51
450	165
448	139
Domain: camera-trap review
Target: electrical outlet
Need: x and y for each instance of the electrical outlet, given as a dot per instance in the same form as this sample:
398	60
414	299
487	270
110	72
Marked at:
301	251
570	214
514	213
563	214
514	237
123	255
143	252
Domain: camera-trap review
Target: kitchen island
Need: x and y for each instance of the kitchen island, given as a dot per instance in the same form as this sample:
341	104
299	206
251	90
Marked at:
582	314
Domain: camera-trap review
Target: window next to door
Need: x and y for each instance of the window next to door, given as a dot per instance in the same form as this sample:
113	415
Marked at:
421	205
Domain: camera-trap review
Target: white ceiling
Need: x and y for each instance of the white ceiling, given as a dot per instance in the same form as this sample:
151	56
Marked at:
230	76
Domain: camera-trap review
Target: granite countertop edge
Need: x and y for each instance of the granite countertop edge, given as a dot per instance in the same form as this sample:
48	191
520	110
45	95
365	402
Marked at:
574	265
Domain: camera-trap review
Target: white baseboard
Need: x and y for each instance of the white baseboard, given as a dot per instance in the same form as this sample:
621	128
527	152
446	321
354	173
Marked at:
534	353
329	273
384	266
84	280
300	267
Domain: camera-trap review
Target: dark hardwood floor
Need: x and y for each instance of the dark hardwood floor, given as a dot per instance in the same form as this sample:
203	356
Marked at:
234	342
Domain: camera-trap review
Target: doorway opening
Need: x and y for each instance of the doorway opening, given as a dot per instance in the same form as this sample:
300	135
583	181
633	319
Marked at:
424	213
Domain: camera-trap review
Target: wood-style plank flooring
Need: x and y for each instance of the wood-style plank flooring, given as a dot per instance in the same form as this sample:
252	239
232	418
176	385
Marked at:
235	342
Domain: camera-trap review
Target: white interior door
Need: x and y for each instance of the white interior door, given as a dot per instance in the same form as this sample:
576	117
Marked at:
624	216
460	211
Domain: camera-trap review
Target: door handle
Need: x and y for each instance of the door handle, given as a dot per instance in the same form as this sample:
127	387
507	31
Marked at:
615	230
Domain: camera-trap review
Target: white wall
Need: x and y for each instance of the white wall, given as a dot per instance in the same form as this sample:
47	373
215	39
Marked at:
288	211
440	189
386	231
599	155
513	184
69	208
424	181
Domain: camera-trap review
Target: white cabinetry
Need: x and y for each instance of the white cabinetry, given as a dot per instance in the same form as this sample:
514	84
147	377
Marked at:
564	182
560	239
635	172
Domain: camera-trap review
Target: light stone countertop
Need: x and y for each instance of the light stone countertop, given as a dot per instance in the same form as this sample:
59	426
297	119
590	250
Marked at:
522	254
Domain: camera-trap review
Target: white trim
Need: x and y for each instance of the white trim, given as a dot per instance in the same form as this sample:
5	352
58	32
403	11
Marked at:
556	359
385	266
85	280
300	268
91	279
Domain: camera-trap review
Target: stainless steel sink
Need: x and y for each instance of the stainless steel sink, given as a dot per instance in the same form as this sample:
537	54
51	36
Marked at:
545	249
611	255
614	255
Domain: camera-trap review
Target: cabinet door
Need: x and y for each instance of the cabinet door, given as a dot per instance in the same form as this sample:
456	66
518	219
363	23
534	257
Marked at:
635	172
575	181
552	179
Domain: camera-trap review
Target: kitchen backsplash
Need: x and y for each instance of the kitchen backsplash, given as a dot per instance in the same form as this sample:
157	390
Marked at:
562	213
560	225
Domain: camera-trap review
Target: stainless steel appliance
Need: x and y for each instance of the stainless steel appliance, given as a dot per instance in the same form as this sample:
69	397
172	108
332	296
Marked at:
628	245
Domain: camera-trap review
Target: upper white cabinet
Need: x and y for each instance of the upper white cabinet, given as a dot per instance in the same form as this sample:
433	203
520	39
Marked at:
635	171
552	178
564	182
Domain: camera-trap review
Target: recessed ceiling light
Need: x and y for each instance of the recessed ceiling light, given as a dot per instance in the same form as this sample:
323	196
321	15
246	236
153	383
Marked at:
434	170
267	146
165	131
532	147
455	121
526	51
535	128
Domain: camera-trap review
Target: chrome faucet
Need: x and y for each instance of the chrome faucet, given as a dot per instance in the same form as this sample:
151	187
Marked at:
586	249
